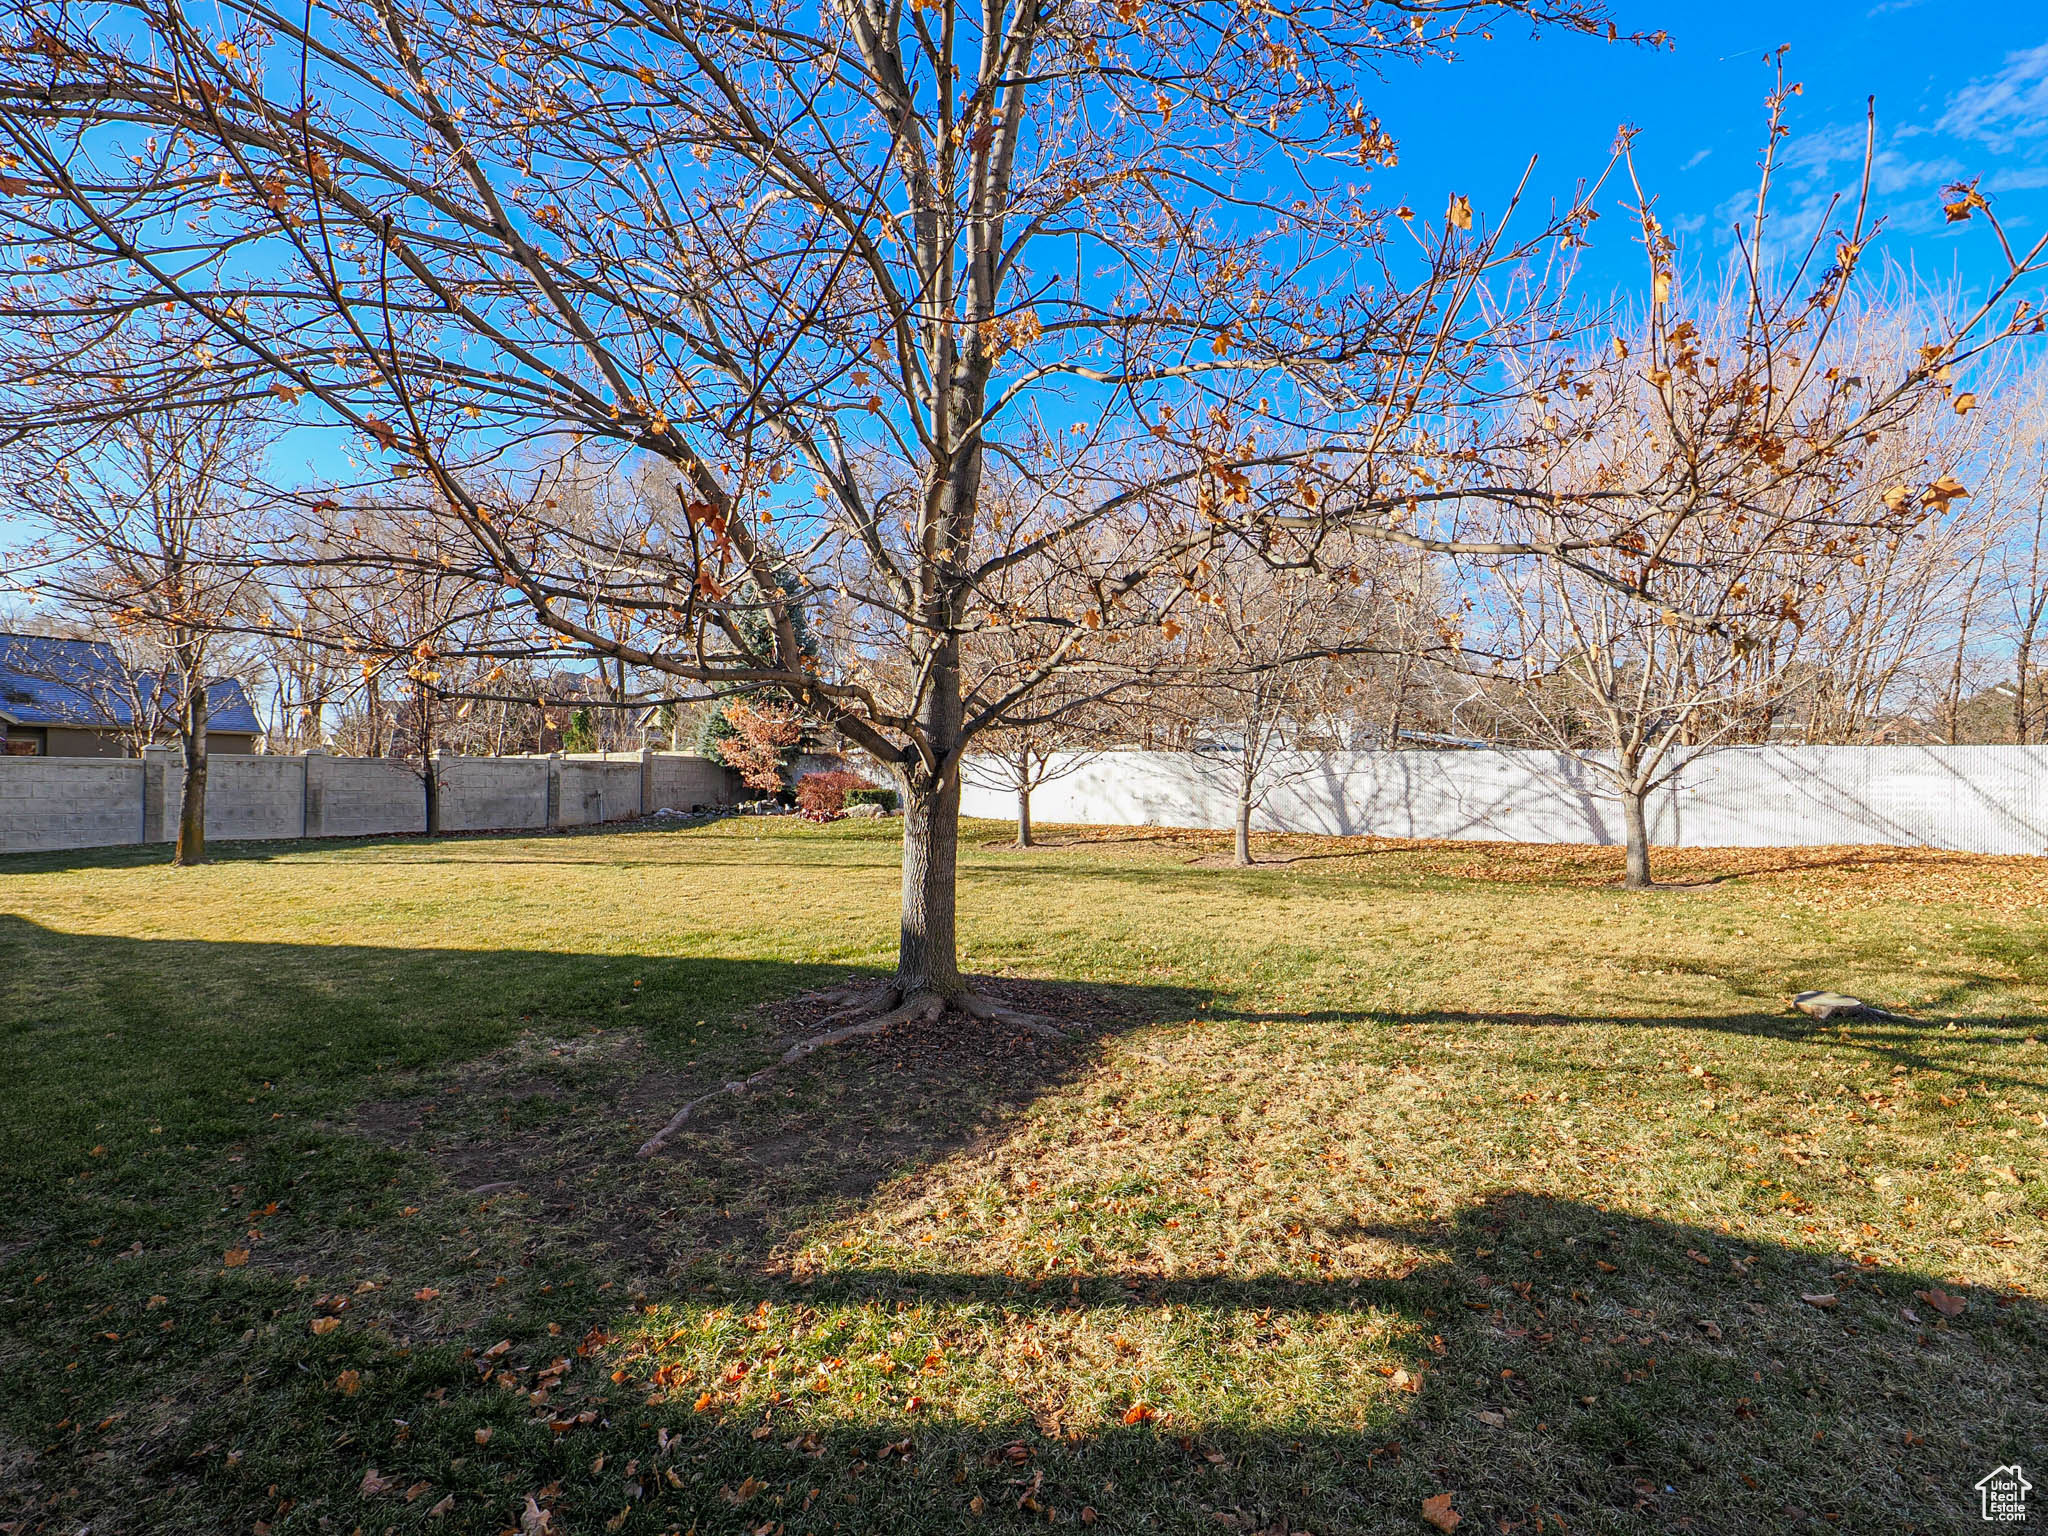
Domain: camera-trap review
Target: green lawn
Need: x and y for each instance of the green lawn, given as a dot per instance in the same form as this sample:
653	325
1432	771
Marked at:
1377	1175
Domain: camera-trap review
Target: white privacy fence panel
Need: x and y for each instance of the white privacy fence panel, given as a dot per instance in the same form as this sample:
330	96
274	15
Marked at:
1976	799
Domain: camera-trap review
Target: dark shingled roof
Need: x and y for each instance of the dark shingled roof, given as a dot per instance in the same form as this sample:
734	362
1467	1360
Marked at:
83	683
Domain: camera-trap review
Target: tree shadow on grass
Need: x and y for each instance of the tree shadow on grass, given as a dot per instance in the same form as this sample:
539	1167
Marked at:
1549	1364
1556	1366
1899	1041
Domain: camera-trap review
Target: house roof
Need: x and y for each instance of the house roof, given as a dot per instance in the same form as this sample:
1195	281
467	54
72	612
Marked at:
44	681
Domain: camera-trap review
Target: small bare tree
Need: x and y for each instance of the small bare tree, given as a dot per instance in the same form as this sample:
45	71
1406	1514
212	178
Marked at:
1732	457
392	597
143	524
2018	557
1259	670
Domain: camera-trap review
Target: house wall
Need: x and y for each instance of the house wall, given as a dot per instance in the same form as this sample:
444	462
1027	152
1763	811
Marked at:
49	803
76	741
66	741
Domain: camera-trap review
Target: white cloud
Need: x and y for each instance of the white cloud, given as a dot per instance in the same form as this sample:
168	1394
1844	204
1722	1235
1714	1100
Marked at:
1698	156
2003	109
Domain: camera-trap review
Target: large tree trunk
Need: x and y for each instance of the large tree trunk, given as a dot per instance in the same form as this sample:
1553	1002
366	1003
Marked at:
1636	825
927	959
191	845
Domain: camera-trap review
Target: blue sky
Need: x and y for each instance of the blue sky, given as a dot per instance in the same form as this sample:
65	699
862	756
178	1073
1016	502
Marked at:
1961	87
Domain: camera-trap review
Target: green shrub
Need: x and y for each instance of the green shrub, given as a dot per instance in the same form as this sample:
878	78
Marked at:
885	798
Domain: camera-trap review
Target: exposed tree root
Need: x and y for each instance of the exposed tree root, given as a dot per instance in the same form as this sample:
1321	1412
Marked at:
925	1005
855	995
858	1002
921	1006
980	1007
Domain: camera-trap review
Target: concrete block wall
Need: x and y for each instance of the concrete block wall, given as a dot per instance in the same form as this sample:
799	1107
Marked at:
48	803
493	794
676	781
247	798
1978	799
51	803
595	789
362	797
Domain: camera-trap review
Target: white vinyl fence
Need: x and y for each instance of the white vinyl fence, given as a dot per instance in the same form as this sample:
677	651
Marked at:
1977	799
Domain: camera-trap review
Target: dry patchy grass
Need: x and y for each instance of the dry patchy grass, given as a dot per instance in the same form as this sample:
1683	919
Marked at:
1388	1172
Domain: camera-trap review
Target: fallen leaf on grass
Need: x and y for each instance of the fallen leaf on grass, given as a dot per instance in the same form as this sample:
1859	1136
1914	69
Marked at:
1139	1413
234	1258
483	1436
447	1503
1436	1509
535	1521
413	1493
156	1301
1606	1268
349	1383
1941	1301
1496	1420
425	1293
1822	1299
1710	1328
373	1484
324	1324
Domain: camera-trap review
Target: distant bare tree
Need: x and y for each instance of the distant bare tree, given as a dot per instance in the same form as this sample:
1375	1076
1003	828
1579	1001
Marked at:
1258	675
1736	454
144	524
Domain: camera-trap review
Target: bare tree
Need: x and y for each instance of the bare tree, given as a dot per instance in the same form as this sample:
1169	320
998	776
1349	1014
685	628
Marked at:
2018	483
1258	674
822	268
1736	453
142	525
393	598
